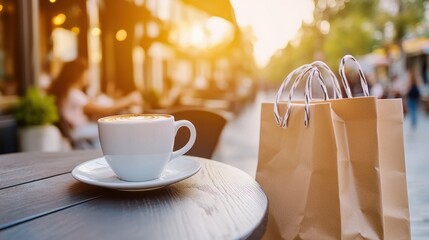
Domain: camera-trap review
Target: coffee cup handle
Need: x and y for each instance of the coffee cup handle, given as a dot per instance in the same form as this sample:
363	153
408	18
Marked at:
191	141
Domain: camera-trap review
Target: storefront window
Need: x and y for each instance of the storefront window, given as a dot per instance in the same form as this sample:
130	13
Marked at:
64	44
62	34
8	40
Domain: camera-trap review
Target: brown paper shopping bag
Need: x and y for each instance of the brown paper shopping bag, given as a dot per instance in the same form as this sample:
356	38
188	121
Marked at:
355	129
390	149
354	126
297	169
392	166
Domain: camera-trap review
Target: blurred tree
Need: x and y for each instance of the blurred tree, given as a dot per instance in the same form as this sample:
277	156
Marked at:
407	17
349	35
339	27
396	20
347	27
296	53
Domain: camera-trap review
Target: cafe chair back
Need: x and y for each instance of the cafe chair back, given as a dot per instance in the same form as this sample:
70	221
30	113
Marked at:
209	125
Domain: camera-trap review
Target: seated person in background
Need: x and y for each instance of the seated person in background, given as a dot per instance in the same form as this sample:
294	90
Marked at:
76	108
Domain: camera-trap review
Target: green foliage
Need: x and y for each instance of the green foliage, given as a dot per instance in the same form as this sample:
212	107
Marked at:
367	8
292	56
35	108
356	27
411	12
352	35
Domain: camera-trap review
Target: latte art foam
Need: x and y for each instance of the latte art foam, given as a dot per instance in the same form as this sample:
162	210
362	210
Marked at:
134	117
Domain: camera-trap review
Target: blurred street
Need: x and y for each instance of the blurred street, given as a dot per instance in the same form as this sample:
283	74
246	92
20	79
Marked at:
239	147
417	161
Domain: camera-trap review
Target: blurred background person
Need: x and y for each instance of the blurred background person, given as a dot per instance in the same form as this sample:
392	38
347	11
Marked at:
376	86
413	95
395	87
77	109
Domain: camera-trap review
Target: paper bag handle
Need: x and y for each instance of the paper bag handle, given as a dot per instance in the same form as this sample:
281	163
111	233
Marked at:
283	87
363	81
304	70
336	85
322	67
307	95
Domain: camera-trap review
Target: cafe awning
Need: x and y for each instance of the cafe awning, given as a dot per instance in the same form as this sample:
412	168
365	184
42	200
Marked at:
416	46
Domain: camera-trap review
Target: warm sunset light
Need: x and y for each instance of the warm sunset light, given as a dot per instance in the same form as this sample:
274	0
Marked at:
274	22
197	36
304	119
324	27
219	30
203	33
59	19
152	29
95	31
121	35
75	30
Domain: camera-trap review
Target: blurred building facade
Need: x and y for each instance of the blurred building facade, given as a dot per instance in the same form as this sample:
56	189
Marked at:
149	45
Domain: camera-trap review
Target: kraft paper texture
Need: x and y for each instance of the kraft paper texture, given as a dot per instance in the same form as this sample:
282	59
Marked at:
343	177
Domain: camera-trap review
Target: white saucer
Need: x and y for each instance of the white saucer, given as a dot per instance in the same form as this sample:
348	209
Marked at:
97	172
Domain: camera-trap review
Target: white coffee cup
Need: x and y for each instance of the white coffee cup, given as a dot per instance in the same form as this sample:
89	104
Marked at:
138	146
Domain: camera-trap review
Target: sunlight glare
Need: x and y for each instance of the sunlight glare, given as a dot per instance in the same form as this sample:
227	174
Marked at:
219	29
121	35
203	34
274	23
197	36
95	31
325	27
75	30
59	19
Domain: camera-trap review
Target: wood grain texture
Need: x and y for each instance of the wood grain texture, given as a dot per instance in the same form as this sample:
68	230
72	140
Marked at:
19	168
219	202
35	198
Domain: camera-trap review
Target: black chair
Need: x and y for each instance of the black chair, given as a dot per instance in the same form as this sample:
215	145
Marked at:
8	134
208	124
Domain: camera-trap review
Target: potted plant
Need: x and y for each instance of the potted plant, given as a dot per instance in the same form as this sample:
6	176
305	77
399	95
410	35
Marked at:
35	113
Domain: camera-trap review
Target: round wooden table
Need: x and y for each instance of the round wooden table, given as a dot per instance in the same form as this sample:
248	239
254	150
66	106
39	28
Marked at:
39	199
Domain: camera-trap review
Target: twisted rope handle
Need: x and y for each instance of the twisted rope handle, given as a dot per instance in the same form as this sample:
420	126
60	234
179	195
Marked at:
363	81
304	72
308	96
285	82
314	69
337	88
312	73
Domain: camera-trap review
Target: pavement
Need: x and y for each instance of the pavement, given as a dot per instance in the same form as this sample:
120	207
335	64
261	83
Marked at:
239	141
